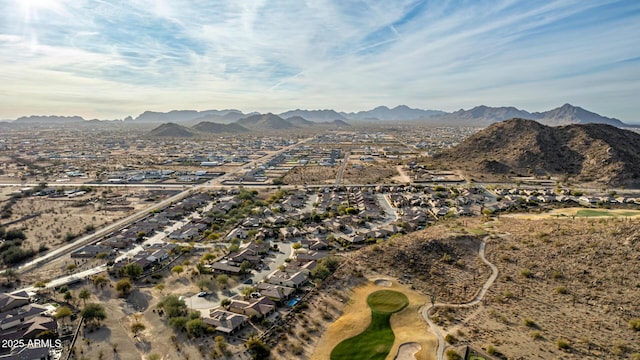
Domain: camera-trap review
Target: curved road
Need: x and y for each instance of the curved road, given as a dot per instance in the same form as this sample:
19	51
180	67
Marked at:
476	300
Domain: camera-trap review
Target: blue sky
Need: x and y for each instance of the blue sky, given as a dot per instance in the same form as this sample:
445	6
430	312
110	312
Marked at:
109	59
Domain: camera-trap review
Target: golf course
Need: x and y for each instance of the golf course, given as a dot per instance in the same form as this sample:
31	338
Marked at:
376	340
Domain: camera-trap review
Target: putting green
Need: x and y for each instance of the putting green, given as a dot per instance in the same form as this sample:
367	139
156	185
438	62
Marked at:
387	301
375	341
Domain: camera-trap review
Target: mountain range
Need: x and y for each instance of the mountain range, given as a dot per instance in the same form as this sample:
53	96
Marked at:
257	122
598	153
479	116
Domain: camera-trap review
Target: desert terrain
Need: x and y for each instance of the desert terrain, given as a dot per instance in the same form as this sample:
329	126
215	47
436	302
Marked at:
567	288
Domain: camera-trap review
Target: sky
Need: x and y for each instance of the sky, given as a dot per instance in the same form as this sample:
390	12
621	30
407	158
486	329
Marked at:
111	59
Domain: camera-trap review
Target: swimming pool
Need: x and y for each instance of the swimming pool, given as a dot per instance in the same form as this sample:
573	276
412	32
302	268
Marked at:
293	302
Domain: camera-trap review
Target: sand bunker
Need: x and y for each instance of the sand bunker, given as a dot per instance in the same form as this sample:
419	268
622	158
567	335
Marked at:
407	351
383	282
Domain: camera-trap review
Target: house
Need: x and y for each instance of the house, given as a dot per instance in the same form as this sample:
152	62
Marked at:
252	222
91	251
276	293
318	244
237	233
27	353
294	280
290	232
26	321
352	239
255	308
302	266
264	233
187	233
225	321
309	255
12	301
224	268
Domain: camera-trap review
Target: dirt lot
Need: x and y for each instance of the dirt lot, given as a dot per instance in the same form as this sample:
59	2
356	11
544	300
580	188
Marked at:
364	172
58	218
306	175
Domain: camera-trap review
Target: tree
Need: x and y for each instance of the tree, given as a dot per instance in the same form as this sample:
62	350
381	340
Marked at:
196	327
222	280
296	246
140	235
245	266
124	286
331	262
178	269
63	312
132	271
93	313
221	343
173	306
320	272
84	295
10	274
246	291
204	284
258	348
225	302
100	280
137	327
67	296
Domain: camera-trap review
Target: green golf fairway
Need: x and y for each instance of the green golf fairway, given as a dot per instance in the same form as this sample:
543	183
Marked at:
376	340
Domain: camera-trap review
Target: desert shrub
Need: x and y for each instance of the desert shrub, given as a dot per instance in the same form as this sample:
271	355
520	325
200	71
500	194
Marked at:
297	350
535	335
526	273
450	339
563	344
452	355
561	290
529	323
634	324
491	350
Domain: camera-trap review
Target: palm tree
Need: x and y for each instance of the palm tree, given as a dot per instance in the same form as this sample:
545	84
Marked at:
84	295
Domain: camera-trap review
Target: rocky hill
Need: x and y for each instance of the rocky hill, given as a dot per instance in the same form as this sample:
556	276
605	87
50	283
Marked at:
171	130
265	122
299	121
591	152
212	127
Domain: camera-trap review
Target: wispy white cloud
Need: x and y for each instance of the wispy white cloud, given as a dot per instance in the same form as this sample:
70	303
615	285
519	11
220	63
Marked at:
275	55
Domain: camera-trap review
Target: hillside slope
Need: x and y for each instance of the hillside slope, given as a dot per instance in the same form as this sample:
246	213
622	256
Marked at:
590	152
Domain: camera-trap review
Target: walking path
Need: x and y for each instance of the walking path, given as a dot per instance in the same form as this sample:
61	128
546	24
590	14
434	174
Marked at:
476	300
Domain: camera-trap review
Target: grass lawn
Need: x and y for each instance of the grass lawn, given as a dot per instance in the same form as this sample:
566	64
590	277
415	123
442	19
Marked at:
591	213
375	341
